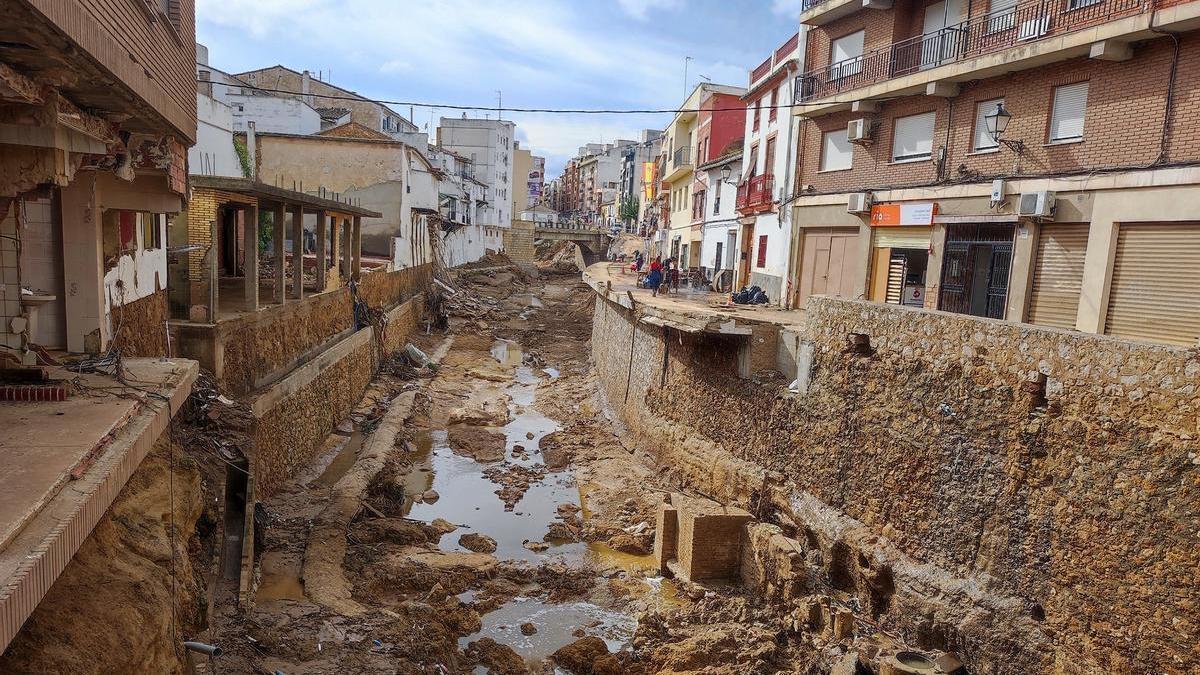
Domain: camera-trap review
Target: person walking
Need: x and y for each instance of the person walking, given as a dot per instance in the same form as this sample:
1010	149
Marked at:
655	278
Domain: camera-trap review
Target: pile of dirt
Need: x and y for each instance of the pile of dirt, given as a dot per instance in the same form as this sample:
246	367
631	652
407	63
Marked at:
561	258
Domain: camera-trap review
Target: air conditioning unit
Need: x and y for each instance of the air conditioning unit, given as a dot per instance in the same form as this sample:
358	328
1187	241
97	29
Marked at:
1036	204
859	131
859	202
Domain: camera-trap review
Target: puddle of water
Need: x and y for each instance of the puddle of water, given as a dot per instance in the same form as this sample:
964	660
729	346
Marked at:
552	373
341	462
507	353
280	579
555	624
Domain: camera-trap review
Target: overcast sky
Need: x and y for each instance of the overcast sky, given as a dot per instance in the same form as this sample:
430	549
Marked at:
540	53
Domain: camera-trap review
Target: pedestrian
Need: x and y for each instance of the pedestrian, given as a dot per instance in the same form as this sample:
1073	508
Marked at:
655	277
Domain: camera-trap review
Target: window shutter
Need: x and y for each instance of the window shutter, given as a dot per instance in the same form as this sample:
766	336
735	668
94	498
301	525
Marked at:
1001	15
983	140
762	251
847	50
836	153
913	138
1066	120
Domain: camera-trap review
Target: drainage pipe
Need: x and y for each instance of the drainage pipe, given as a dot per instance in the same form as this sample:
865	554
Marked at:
209	650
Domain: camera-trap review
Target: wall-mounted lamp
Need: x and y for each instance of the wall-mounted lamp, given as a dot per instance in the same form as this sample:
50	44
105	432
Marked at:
726	172
997	122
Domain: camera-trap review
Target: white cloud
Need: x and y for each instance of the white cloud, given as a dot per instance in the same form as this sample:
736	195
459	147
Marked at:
640	9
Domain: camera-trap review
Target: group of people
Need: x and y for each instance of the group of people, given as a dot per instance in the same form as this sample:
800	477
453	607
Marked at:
662	274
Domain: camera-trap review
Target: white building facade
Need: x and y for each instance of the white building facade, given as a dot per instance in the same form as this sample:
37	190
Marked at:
488	144
767	172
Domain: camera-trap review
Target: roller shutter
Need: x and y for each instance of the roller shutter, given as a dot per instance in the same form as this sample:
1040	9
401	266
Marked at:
1058	275
903	237
1155	292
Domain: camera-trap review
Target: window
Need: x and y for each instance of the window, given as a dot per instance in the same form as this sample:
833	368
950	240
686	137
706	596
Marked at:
912	139
845	55
1076	4
774	102
769	166
757	108
1002	15
836	153
983	141
754	160
1066	118
762	252
717	199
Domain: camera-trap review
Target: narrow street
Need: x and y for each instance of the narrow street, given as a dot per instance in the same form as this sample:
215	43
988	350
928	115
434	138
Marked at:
494	515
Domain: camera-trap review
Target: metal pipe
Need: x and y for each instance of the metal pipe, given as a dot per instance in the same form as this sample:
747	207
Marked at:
210	650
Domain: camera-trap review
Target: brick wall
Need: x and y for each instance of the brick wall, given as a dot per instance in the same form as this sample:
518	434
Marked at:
934	466
1123	123
202	211
518	243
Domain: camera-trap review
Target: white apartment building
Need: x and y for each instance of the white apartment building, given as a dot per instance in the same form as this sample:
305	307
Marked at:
488	144
767	176
270	113
465	238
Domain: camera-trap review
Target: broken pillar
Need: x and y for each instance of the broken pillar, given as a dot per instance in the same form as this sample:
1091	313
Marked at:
666	534
356	248
709	544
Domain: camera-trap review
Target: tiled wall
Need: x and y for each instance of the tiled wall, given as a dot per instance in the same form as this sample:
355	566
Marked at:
10	291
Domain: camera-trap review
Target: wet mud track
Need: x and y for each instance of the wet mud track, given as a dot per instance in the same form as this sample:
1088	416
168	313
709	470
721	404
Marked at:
504	522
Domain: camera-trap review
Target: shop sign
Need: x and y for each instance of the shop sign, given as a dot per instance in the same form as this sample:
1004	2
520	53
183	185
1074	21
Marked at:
903	214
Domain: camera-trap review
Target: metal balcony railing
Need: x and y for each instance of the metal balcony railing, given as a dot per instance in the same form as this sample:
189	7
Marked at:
979	35
756	192
777	57
809	4
682	158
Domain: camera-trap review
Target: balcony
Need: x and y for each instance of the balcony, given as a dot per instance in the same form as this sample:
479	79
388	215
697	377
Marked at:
680	164
682	159
820	12
757	194
783	54
952	53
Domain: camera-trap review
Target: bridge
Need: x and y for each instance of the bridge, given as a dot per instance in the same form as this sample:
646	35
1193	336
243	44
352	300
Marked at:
592	242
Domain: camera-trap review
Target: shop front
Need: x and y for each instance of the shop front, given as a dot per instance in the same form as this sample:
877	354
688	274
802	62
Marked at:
901	236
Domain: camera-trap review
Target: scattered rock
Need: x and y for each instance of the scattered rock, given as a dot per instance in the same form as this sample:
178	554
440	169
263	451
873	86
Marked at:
528	628
535	546
481	443
442	525
499	659
480	543
579	656
430	496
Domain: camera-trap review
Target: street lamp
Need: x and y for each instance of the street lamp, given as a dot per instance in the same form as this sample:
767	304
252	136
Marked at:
997	122
726	172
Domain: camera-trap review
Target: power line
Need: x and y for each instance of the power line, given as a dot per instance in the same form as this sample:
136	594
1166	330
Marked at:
558	111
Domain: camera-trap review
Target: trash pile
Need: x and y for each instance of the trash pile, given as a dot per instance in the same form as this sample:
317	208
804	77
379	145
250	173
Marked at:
750	296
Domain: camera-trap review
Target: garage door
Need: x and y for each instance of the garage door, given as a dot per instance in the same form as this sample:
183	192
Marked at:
1155	292
1058	275
828	263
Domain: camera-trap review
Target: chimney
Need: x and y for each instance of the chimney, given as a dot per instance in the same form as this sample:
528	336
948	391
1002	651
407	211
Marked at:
252	150
305	85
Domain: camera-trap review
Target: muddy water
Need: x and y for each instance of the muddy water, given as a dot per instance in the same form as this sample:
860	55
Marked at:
468	498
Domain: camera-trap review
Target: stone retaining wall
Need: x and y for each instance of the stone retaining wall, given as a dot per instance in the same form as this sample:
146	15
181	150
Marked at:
1024	496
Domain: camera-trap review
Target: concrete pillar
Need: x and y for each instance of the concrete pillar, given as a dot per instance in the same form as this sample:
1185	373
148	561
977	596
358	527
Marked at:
322	237
356	248
933	271
278	239
1097	273
83	265
214	266
298	253
250	265
1020	277
345	245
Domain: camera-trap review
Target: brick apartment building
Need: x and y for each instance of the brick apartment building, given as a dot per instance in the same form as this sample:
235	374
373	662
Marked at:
1079	213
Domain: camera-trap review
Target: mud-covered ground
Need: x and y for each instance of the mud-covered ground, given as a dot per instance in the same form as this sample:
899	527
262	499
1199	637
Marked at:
484	515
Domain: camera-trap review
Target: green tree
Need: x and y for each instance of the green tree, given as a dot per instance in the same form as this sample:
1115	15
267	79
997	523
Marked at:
628	211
